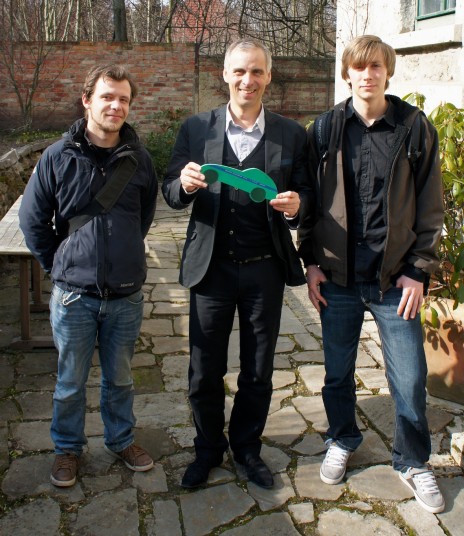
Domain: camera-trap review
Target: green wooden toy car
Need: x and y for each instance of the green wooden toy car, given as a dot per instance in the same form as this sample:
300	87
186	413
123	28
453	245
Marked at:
255	182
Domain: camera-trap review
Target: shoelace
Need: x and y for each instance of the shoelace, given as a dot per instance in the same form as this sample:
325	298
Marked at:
336	456
133	452
66	462
426	482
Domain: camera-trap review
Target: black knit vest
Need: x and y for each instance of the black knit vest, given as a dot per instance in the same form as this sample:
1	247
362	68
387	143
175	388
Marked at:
242	229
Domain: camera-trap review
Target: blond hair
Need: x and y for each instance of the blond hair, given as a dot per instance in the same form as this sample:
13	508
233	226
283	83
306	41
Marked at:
362	50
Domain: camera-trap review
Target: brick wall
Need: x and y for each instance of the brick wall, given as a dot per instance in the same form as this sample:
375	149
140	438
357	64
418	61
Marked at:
301	89
168	76
165	75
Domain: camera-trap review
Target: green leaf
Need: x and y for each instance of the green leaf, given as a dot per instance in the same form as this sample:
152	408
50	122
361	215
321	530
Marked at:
422	314
449	106
459	263
450	146
433	114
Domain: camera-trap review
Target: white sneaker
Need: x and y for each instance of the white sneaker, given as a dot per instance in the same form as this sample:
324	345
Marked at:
423	484
333	467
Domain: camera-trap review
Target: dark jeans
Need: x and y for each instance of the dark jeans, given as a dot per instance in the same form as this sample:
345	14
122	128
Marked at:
255	290
405	368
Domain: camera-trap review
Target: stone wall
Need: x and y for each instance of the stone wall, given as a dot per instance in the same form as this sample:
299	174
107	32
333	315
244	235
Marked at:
15	169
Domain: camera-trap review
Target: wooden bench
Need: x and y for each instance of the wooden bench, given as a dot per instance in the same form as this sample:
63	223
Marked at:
12	244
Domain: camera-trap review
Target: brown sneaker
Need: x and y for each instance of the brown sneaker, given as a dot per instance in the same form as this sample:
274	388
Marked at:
135	457
64	470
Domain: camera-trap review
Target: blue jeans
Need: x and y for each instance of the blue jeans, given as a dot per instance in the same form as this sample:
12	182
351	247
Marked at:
78	321
405	368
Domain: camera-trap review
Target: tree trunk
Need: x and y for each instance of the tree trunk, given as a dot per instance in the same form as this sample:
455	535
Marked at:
120	25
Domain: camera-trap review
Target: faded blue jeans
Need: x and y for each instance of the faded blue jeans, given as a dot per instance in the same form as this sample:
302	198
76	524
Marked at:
78	321
405	368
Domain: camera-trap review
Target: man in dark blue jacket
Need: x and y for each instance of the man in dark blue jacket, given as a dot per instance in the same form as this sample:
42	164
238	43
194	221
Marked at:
97	269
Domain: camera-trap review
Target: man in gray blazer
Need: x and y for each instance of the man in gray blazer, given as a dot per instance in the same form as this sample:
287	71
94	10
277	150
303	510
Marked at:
238	256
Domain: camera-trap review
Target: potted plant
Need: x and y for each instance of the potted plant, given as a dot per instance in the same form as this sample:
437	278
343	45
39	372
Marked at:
443	311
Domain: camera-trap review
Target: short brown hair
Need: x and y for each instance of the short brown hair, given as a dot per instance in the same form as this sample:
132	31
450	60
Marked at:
361	50
114	72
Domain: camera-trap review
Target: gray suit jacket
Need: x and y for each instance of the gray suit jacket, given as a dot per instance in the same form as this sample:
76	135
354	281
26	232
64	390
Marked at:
201	140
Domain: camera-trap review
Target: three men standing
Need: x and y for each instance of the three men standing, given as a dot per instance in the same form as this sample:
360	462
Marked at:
371	248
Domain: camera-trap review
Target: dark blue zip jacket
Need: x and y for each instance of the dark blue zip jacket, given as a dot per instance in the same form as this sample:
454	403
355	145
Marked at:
107	255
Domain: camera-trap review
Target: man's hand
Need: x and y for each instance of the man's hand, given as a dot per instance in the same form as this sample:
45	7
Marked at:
412	298
191	178
286	202
314	277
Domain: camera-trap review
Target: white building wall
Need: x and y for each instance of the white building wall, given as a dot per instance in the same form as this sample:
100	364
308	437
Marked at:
430	53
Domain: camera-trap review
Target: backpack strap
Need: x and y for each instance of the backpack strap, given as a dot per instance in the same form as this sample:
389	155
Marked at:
413	138
107	196
322	128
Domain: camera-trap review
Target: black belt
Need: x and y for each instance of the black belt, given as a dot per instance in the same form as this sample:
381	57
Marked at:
108	297
96	295
252	259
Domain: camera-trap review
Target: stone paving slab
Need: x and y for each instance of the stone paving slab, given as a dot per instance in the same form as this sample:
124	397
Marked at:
452	517
379	482
108	513
354	523
165	519
313	377
273	525
308	483
110	499
284	426
31	436
310	445
41	517
422	522
210	508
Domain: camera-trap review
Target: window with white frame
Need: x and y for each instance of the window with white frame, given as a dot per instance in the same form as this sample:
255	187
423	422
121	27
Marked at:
433	8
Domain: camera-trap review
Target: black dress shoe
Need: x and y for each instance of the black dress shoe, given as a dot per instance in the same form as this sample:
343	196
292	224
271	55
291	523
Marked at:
258	472
197	473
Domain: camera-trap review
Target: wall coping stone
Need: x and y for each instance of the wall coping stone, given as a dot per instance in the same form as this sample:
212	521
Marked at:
13	156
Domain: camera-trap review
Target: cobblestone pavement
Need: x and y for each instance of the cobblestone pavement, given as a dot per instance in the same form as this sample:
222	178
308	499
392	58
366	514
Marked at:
111	500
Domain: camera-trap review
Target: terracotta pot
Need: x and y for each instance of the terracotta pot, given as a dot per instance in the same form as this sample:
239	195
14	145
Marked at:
444	350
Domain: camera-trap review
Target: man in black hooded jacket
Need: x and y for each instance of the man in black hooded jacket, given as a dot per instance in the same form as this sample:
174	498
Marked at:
372	247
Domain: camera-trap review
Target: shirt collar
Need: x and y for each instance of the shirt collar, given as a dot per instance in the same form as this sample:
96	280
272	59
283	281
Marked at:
259	123
389	114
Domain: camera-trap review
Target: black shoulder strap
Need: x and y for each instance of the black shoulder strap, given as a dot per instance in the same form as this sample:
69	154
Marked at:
413	138
322	128
107	196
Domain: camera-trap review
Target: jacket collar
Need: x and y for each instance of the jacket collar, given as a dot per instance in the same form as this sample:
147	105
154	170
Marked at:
76	134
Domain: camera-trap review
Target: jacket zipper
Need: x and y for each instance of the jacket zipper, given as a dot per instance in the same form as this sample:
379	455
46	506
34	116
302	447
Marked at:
388	212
